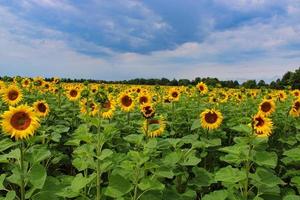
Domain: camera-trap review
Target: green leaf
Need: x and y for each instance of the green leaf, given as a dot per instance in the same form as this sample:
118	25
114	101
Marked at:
11	195
216	195
190	160
264	158
80	182
134	138
291	197
105	153
164	172
266	177
242	128
150	184
2	178
196	124
38	154
6	143
171	159
202	177
293	154
118	186
37	176
230	175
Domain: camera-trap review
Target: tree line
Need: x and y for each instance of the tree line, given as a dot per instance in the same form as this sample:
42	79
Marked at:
289	79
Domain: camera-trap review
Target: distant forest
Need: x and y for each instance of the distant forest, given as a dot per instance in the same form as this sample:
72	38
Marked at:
289	79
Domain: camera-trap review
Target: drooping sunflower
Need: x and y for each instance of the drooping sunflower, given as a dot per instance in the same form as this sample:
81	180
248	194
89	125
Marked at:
211	119
20	122
41	108
126	102
262	125
12	95
267	107
38	81
154	127
202	87
147	110
295	110
73	93
89	107
108	108
174	94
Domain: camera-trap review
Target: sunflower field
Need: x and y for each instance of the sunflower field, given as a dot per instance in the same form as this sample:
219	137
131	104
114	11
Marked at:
110	141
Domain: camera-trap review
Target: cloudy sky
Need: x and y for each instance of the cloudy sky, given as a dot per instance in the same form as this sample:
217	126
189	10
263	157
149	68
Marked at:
123	39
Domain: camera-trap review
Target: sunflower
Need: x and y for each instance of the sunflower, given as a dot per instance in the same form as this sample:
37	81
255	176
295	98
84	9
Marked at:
262	125
2	86
41	108
202	87
55	80
144	98
211	119
174	94
281	96
73	93
295	110
20	122
26	82
108	108
38	81
126	102
296	93
154	127
89	107
12	95
267	107
147	110
94	88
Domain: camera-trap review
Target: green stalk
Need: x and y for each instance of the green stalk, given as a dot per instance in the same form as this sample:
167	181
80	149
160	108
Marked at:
22	186
99	148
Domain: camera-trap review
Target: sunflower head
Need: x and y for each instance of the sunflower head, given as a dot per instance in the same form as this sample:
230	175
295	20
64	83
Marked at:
41	108
267	107
211	119
126	102
20	122
174	94
154	127
147	110
73	93
262	125
202	87
12	95
144	98
295	110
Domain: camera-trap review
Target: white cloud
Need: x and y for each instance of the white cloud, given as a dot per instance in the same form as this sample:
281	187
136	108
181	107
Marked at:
51	55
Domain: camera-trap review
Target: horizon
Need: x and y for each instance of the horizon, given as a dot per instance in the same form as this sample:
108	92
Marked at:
124	39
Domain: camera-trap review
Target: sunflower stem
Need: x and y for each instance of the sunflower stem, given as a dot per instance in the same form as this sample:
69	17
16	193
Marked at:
99	149
22	186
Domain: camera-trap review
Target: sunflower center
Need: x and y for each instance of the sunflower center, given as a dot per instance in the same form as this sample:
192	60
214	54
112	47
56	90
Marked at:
259	122
297	105
174	94
42	108
106	105
126	101
73	93
92	106
211	117
153	121
13	95
138	90
143	99
148	110
39	83
266	106
26	82
20	121
201	87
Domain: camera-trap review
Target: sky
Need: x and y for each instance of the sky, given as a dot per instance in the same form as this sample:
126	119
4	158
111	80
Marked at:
125	39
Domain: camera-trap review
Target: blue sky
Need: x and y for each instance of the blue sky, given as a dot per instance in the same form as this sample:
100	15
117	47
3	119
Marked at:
123	39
